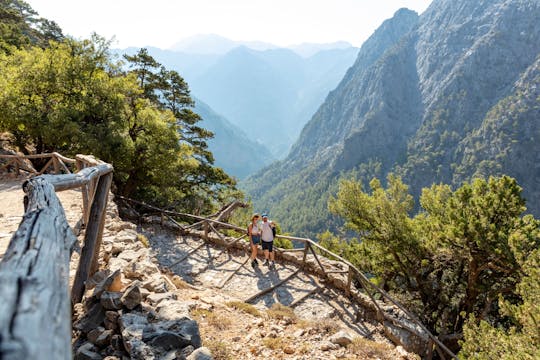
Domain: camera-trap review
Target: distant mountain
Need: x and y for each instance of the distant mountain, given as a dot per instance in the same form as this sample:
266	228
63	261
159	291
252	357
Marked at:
233	150
190	66
216	45
269	94
310	49
442	97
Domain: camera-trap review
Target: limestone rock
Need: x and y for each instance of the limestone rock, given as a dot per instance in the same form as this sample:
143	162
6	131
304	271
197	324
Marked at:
87	352
111	300
92	319
342	338
94	334
111	320
202	353
132	296
172	309
167	340
155	283
154	299
105	284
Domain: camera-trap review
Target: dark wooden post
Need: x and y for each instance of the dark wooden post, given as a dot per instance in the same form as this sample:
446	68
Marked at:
17	170
206	228
306	249
349	281
88	263
56	164
84	190
35	313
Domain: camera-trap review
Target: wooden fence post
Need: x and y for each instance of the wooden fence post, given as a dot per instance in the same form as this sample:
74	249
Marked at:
56	164
84	191
35	314
306	249
349	282
88	263
206	229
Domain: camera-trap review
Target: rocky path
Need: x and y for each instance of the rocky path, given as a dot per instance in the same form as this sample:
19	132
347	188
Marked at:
203	265
302	318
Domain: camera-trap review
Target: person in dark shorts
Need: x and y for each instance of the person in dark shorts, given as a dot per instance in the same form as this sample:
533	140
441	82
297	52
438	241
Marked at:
267	237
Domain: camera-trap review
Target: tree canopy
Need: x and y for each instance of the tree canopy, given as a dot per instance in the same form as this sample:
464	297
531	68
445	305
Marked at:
460	256
73	97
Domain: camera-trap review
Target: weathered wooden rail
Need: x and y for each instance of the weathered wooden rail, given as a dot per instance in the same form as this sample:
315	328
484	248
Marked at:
35	306
364	296
18	164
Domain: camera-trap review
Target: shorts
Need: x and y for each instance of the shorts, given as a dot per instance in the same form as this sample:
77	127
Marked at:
268	245
255	239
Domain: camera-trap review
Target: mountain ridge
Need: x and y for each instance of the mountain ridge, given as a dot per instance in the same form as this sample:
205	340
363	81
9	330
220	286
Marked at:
406	105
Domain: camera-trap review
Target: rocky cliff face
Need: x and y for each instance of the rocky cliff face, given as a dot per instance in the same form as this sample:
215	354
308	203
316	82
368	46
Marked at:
422	98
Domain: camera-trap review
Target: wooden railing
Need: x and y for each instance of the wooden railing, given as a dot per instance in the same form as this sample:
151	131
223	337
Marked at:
344	267
18	164
35	306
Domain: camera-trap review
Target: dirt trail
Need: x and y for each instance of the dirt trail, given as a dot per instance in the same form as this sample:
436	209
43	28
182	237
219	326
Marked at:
12	208
235	333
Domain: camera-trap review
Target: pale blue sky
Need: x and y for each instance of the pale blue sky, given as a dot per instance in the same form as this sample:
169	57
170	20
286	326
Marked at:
162	23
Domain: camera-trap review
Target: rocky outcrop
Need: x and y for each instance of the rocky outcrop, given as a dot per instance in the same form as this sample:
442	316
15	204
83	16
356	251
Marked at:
130	308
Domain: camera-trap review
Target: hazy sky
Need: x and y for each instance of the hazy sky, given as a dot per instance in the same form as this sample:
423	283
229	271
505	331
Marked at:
162	23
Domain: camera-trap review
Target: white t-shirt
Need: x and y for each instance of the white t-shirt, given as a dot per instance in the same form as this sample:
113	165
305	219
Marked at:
255	231
266	231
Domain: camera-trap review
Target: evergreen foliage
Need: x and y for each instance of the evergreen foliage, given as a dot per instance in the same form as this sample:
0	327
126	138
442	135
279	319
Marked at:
20	26
72	97
464	250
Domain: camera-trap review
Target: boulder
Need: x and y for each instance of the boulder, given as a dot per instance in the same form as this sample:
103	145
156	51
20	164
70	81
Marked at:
342	338
156	339
202	353
111	300
155	298
155	284
169	309
92	319
87	351
94	334
111	320
111	282
132	296
167	340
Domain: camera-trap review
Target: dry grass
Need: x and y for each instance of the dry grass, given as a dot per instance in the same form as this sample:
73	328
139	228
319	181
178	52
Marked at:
219	349
275	343
280	312
323	326
213	319
364	348
144	240
245	307
179	283
326	326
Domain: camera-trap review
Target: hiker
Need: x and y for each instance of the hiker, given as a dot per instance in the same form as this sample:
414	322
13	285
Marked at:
254	232
267	237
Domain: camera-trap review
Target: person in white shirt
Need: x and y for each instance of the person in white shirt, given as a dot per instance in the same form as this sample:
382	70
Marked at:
267	237
254	231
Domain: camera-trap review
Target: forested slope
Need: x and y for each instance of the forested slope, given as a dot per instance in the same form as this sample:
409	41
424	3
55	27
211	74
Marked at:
418	102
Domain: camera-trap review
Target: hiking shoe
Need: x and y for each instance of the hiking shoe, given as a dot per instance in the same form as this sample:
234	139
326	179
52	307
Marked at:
272	265
254	263
266	263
